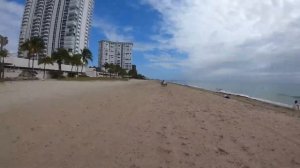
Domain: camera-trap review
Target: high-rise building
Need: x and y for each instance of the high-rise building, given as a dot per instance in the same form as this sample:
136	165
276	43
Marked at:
118	53
60	23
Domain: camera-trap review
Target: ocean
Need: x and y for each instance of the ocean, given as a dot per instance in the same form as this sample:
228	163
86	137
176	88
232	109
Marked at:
283	94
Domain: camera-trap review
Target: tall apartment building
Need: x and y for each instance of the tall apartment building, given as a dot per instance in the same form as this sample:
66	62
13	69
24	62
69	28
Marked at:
118	53
60	23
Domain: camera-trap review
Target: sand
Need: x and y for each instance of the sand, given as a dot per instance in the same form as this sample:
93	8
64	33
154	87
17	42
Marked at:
139	124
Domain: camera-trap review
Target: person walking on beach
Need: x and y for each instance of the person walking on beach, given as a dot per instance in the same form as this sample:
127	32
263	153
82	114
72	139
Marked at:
296	105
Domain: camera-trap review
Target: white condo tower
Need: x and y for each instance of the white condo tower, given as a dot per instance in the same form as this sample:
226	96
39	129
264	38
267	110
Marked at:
60	23
118	53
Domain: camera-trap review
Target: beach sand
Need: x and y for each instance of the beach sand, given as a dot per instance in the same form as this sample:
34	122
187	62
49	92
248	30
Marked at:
139	124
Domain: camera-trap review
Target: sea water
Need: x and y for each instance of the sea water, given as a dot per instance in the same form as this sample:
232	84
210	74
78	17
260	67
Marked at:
278	93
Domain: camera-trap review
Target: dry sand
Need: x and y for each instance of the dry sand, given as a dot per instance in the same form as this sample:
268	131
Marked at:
55	124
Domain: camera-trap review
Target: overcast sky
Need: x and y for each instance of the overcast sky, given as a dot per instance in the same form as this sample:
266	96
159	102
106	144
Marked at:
194	39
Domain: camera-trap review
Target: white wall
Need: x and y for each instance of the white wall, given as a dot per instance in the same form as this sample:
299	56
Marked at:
91	72
23	63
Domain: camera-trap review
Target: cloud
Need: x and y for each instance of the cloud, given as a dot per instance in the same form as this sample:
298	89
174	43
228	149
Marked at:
128	29
115	32
232	37
10	19
164	60
111	31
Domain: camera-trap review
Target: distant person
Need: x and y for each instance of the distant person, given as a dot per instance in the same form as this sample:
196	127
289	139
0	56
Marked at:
163	83
226	96
296	105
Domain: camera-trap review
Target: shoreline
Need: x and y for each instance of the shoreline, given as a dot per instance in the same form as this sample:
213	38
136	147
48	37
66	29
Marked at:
247	99
239	95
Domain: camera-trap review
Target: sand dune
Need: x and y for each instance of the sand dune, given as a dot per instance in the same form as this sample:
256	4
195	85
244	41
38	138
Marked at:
139	124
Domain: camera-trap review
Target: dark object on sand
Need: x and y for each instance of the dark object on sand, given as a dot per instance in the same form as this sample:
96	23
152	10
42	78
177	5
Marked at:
226	96
163	83
296	105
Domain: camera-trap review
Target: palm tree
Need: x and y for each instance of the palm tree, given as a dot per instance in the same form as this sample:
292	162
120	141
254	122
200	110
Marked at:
75	60
45	61
34	46
3	54
86	56
60	56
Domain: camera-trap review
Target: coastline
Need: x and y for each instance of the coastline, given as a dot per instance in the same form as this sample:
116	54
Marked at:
284	108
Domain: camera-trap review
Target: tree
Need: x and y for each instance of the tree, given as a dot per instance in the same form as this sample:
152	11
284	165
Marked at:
123	72
3	54
111	69
72	60
133	72
86	56
140	76
33	46
118	69
75	60
106	66
45	61
60	56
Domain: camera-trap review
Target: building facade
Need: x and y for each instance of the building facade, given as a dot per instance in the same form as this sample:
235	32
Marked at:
118	53
60	23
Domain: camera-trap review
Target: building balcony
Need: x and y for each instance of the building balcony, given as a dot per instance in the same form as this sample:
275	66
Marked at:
71	23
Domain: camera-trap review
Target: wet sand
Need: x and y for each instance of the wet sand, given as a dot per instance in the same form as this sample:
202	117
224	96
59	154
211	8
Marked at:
139	124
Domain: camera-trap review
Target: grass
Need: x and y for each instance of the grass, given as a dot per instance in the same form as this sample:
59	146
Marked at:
94	79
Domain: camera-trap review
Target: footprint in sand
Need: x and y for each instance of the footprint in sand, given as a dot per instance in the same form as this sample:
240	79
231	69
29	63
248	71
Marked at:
134	166
186	154
162	135
221	151
164	150
184	138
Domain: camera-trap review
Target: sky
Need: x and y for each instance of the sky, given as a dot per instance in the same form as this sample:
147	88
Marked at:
194	39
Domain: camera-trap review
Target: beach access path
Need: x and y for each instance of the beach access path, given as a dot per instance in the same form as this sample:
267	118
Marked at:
139	124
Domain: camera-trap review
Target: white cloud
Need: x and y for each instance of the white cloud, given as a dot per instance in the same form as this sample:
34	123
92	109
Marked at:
228	37
10	19
128	29
115	32
111	31
164	60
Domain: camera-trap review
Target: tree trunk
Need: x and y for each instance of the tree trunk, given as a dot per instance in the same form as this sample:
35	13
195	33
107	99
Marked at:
3	68
32	65
59	67
44	71
81	68
1	64
72	69
77	71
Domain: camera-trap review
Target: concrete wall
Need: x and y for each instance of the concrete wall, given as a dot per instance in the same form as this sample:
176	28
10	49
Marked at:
91	72
23	63
14	73
18	64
